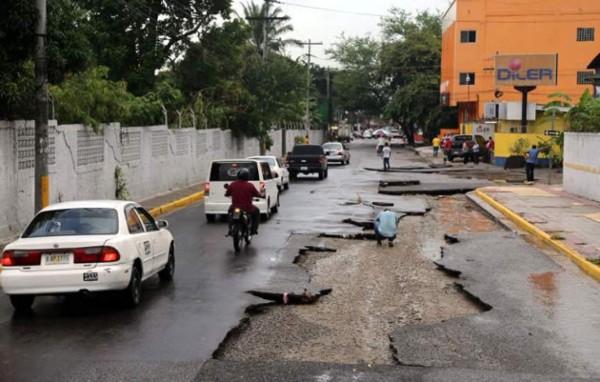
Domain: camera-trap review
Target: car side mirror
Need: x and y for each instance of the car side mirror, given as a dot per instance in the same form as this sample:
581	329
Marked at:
289	153
162	224
275	174
226	186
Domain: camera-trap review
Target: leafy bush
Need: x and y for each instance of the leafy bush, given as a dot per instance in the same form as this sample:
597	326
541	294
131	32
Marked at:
520	147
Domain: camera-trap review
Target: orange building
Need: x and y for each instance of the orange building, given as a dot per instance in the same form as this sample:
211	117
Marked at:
476	31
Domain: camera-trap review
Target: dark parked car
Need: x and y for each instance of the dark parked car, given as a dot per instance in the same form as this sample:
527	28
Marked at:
307	159
457	143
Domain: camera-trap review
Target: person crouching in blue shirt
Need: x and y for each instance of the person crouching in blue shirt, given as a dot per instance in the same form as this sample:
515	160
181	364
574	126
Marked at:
386	226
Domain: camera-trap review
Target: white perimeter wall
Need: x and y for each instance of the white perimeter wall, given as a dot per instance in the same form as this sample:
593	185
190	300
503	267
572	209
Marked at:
582	165
154	160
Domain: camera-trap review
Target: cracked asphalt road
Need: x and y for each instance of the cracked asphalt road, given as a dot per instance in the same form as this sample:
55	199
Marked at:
175	331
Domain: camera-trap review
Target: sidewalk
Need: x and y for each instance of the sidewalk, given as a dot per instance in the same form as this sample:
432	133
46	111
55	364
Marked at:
568	223
162	204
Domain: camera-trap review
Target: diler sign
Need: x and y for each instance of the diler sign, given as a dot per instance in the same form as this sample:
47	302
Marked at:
526	70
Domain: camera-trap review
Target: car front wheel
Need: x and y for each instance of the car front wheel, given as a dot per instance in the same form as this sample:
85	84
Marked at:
22	302
169	270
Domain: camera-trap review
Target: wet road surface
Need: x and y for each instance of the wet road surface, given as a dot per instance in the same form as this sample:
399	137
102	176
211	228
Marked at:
178	326
182	322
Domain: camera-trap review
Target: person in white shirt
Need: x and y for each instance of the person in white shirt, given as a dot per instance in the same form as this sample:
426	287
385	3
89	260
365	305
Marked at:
387	153
380	144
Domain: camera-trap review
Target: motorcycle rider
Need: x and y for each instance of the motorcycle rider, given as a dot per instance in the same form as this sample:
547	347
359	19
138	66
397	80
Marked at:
242	192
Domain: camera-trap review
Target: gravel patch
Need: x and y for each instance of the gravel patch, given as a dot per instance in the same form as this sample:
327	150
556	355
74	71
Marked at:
375	290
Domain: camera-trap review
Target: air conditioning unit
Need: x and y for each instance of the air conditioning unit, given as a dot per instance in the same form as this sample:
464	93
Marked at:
490	110
513	111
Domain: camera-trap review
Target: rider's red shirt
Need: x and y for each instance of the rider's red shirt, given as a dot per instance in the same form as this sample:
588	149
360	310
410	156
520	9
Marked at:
241	193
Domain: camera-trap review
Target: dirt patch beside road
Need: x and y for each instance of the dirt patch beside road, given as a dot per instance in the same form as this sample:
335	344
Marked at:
375	290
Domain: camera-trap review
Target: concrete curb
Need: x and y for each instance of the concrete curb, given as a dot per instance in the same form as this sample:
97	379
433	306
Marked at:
591	269
161	210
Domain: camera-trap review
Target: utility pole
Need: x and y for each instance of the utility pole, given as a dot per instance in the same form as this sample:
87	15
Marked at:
42	183
310	44
328	98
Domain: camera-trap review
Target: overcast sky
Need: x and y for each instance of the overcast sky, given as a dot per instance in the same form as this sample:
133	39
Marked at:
327	26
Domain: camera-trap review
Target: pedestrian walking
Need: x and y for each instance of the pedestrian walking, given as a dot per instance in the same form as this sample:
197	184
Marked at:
490	146
447	148
532	157
380	144
386	153
436	146
476	151
386	227
466	151
306	140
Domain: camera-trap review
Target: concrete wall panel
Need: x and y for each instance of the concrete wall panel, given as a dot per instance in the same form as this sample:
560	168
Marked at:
582	165
154	160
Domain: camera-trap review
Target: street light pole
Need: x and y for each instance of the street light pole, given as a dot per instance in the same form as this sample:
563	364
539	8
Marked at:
468	79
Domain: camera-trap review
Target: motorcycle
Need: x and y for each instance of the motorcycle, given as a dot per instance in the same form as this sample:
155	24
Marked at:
239	228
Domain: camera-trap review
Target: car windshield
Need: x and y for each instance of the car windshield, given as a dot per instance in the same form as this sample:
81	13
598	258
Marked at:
74	222
227	171
332	146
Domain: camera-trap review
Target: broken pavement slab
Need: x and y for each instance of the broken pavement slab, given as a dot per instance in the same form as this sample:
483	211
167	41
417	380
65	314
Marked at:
513	283
290	283
434	188
287	370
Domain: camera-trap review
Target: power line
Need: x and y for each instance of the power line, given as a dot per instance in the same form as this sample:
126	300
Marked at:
330	9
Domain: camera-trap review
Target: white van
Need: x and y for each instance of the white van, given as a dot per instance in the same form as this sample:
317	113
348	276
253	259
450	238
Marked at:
222	172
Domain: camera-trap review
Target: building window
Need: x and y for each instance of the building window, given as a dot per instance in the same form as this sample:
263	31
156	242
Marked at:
467	79
585	34
583	78
468	36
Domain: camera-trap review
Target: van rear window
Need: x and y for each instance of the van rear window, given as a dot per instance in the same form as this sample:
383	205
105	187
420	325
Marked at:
227	171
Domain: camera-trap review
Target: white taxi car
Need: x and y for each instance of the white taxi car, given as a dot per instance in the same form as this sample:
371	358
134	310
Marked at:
87	246
223	172
277	166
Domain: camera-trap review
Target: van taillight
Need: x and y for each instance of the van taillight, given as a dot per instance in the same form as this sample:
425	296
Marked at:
206	189
21	258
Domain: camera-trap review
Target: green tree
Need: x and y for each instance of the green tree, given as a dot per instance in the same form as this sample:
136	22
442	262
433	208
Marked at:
411	59
360	84
276	29
211	73
136	38
276	93
17	29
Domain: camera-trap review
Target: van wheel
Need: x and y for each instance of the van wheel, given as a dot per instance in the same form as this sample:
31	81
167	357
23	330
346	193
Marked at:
267	214
210	218
22	302
321	175
275	208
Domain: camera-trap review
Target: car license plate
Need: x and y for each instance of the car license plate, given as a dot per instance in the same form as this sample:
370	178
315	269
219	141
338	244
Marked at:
90	276
57	258
303	168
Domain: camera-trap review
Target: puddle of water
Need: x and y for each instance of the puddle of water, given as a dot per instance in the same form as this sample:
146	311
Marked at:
545	285
455	214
